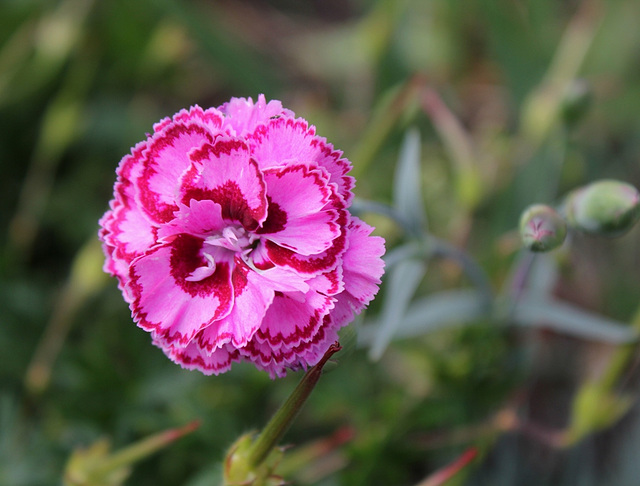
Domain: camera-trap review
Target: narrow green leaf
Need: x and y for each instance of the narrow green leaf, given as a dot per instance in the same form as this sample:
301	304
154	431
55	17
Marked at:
407	187
442	310
403	280
569	319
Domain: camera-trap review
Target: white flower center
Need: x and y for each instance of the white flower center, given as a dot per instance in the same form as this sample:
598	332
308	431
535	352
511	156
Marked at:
232	239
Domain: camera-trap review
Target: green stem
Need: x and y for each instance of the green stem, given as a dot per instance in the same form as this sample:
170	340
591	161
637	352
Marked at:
284	417
620	360
135	452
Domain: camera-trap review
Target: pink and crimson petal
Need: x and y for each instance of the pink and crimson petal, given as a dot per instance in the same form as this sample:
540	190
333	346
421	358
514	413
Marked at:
311	353
166	158
328	283
286	139
223	172
130	231
297	217
126	232
168	304
275	347
312	265
293	318
211	118
192	357
242	115
128	235
252	298
125	217
362	263
277	361
282	279
199	218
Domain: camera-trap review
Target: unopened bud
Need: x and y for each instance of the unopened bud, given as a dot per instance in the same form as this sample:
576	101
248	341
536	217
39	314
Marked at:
239	469
542	228
607	207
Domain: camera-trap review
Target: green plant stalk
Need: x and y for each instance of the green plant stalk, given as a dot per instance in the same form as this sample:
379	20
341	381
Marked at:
443	475
543	106
597	404
85	280
458	143
286	414
620	360
384	119
135	452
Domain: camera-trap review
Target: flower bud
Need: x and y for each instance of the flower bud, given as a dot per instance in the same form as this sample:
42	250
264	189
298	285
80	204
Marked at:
542	228
606	207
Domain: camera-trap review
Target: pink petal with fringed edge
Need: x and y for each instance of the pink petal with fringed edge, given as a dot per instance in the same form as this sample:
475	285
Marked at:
284	280
166	158
168	304
199	218
305	354
224	173
252	298
362	263
285	139
242	115
193	358
130	231
343	311
326	336
297	217
293	319
126	232
211	118
328	283
127	235
312	265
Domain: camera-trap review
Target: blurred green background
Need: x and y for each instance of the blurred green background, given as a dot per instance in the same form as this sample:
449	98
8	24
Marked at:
487	86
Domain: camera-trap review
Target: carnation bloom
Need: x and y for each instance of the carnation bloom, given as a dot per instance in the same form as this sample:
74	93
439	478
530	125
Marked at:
231	239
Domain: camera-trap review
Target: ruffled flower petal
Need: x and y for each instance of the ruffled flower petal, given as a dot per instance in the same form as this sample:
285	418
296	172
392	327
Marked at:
191	357
126	232
166	158
211	118
315	264
167	302
199	218
293	318
242	115
224	173
286	139
252	298
362	263
298	218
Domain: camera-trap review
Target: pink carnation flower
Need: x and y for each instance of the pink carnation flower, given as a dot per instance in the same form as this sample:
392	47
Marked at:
231	239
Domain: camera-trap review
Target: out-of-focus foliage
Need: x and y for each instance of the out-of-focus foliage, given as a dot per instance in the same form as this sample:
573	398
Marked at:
483	94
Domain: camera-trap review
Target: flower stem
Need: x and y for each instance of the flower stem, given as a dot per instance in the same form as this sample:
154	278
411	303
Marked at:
135	452
284	417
